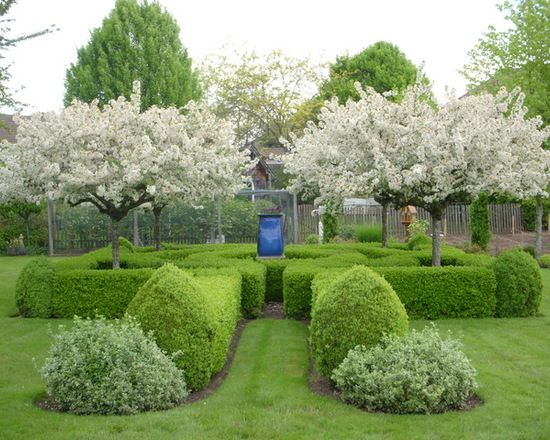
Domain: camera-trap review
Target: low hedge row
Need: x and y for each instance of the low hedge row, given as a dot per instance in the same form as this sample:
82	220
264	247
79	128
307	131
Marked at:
87	293
427	293
191	315
443	292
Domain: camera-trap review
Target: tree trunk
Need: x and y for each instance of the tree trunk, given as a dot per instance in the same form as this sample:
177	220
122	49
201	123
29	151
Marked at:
28	229
436	237
219	208
116	246
538	228
136	228
158	238
51	214
385	226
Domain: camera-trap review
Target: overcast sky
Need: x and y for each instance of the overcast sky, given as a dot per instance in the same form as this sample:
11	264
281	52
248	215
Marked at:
437	32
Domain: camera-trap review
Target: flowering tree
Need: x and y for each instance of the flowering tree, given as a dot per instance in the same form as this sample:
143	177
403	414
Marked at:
117	158
418	153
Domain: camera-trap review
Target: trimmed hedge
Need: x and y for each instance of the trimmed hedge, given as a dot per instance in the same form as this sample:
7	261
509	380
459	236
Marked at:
359	308
87	293
519	284
253	279
34	289
192	315
443	292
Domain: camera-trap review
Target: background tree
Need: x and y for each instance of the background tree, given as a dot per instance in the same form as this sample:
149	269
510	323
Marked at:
136	42
518	56
381	66
6	41
264	95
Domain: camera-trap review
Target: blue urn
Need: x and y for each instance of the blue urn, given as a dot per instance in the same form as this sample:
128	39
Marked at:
270	236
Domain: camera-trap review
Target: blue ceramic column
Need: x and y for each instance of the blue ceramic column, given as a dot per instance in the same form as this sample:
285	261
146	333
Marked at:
270	236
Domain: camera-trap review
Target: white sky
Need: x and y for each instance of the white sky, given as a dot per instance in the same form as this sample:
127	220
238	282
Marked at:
437	32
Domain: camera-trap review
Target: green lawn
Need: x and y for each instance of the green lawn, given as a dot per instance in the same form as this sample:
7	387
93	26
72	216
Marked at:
265	395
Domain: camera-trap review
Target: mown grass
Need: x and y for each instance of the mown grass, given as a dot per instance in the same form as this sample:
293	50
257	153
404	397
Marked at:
266	396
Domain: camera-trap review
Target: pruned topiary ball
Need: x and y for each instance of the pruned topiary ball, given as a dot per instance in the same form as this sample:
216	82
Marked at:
359	308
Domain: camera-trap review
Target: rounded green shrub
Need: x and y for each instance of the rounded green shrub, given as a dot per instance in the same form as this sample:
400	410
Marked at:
182	318
34	289
544	261
419	241
358	309
519	284
419	373
102	367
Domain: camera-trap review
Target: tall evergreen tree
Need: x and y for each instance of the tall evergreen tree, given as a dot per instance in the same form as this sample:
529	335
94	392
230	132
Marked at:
135	42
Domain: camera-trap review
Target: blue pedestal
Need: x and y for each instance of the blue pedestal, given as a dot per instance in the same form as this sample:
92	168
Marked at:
270	236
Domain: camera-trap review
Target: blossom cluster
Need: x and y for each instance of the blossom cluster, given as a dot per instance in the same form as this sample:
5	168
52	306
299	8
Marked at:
118	158
418	152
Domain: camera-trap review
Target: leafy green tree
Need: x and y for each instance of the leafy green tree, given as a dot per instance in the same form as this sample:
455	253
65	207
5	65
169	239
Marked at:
518	56
265	95
7	41
381	66
135	42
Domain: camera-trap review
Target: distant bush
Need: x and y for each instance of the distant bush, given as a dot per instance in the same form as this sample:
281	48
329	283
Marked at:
480	221
519	284
544	261
419	373
312	239
101	367
358	309
419	241
35	288
368	234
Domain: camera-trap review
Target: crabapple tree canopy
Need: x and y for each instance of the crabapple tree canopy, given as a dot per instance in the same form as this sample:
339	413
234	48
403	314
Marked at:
418	153
117	158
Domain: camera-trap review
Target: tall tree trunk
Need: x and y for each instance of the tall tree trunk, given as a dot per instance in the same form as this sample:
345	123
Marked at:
136	228
116	246
436	237
385	226
538	228
28	229
219	208
158	239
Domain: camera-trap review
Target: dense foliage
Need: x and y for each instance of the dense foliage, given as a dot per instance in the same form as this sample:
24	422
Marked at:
190	316
136	42
419	373
480	221
359	308
381	66
519	284
102	367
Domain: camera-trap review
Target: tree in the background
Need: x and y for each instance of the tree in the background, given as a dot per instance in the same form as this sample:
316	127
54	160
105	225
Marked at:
260	93
414	153
118	158
381	66
136	42
516	57
6	42
23	210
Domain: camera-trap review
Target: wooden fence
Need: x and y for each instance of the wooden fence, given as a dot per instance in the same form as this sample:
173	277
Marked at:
503	219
